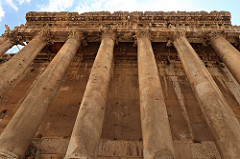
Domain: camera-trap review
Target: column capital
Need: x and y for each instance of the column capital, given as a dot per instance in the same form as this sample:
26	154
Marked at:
109	32
74	34
13	36
45	35
143	33
214	34
173	36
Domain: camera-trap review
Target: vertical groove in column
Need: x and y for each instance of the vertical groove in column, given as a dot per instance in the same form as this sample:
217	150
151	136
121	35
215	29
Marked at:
157	138
20	130
217	112
229	55
11	70
87	130
5	46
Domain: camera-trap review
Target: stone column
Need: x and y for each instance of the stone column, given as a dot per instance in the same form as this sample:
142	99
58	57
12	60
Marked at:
2	39
157	137
217	112
5	46
11	70
229	55
20	130
87	130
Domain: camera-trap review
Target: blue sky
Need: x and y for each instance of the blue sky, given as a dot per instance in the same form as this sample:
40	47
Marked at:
12	12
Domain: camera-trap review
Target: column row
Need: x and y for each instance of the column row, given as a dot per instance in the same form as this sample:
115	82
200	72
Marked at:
157	138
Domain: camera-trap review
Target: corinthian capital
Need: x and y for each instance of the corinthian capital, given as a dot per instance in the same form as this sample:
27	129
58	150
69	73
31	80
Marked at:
143	33
45	35
109	32
13	36
178	33
75	35
174	35
214	34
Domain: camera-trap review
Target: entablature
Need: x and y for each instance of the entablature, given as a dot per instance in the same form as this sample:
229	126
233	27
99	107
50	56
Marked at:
154	19
126	34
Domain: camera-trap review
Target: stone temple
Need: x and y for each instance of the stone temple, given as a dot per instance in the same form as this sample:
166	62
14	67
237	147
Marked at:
122	85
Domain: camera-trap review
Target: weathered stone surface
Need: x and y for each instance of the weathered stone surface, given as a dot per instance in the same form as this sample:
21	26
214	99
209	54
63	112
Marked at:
5	46
229	55
157	142
11	70
92	109
2	40
217	112
17	136
121	135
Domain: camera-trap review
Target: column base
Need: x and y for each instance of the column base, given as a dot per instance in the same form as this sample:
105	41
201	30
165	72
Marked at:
8	155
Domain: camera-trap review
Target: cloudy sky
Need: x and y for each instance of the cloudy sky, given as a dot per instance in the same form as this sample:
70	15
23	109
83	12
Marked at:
12	12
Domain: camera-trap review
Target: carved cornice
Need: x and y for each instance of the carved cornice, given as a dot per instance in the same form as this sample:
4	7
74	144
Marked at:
109	32
120	18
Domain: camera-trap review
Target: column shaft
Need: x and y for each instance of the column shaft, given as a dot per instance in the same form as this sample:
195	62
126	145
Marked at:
217	112
11	70
5	47
20	130
157	138
87	130
2	40
229	55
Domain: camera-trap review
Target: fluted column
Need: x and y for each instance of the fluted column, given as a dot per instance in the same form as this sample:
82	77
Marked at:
157	138
87	130
11	70
229	55
20	130
217	112
5	46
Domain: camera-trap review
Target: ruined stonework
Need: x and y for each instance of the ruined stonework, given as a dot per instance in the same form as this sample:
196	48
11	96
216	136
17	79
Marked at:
101	85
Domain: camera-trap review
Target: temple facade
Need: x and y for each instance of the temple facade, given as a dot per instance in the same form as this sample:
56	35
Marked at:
121	85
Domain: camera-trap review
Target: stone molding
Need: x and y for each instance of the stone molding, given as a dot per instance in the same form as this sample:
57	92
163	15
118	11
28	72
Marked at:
153	18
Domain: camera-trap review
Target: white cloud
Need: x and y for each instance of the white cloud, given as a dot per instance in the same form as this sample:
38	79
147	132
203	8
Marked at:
57	5
91	5
2	13
23	1
134	5
11	4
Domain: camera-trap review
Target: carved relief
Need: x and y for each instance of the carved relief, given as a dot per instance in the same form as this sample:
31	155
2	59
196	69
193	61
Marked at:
175	18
